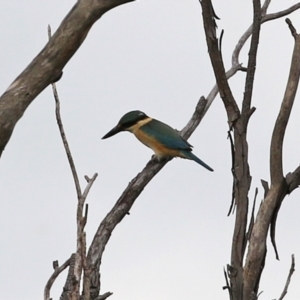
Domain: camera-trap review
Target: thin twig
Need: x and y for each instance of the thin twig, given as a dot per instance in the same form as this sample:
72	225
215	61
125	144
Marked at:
53	277
65	142
63	134
76	270
89	185
288	281
248	32
281	13
80	258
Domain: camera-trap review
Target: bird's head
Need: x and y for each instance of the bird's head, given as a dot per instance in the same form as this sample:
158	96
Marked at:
127	121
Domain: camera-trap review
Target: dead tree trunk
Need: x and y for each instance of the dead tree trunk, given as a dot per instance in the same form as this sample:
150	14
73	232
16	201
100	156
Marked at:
245	277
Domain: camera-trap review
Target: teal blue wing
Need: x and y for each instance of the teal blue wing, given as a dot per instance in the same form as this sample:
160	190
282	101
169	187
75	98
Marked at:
165	135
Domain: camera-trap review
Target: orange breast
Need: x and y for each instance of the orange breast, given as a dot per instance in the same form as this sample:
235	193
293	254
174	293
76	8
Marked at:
159	149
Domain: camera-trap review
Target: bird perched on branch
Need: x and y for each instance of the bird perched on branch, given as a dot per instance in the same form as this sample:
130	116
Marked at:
160	137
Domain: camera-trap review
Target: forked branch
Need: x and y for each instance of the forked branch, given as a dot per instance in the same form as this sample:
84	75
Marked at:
235	63
79	259
279	187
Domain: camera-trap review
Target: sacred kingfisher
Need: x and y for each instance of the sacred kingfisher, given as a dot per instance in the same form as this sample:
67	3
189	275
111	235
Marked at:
160	137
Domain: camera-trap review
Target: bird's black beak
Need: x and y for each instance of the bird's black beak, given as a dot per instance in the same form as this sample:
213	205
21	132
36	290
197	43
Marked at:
114	131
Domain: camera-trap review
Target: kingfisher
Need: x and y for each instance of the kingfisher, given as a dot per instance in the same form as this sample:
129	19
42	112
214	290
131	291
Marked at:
165	141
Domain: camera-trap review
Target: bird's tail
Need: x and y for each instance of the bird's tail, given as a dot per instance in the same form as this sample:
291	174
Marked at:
190	155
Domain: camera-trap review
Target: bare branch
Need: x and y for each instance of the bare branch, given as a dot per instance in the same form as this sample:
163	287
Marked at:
276	168
55	274
217	62
279	186
236	65
241	168
47	66
77	259
281	13
65	141
80	257
292	269
252	59
265	18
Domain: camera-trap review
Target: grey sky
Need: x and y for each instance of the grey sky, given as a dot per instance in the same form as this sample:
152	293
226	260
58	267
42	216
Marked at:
151	56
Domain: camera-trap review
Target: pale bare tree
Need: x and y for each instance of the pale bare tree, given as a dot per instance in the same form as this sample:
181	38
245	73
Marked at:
242	275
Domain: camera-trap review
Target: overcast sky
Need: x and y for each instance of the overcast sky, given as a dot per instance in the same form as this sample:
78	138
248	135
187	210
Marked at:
151	56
